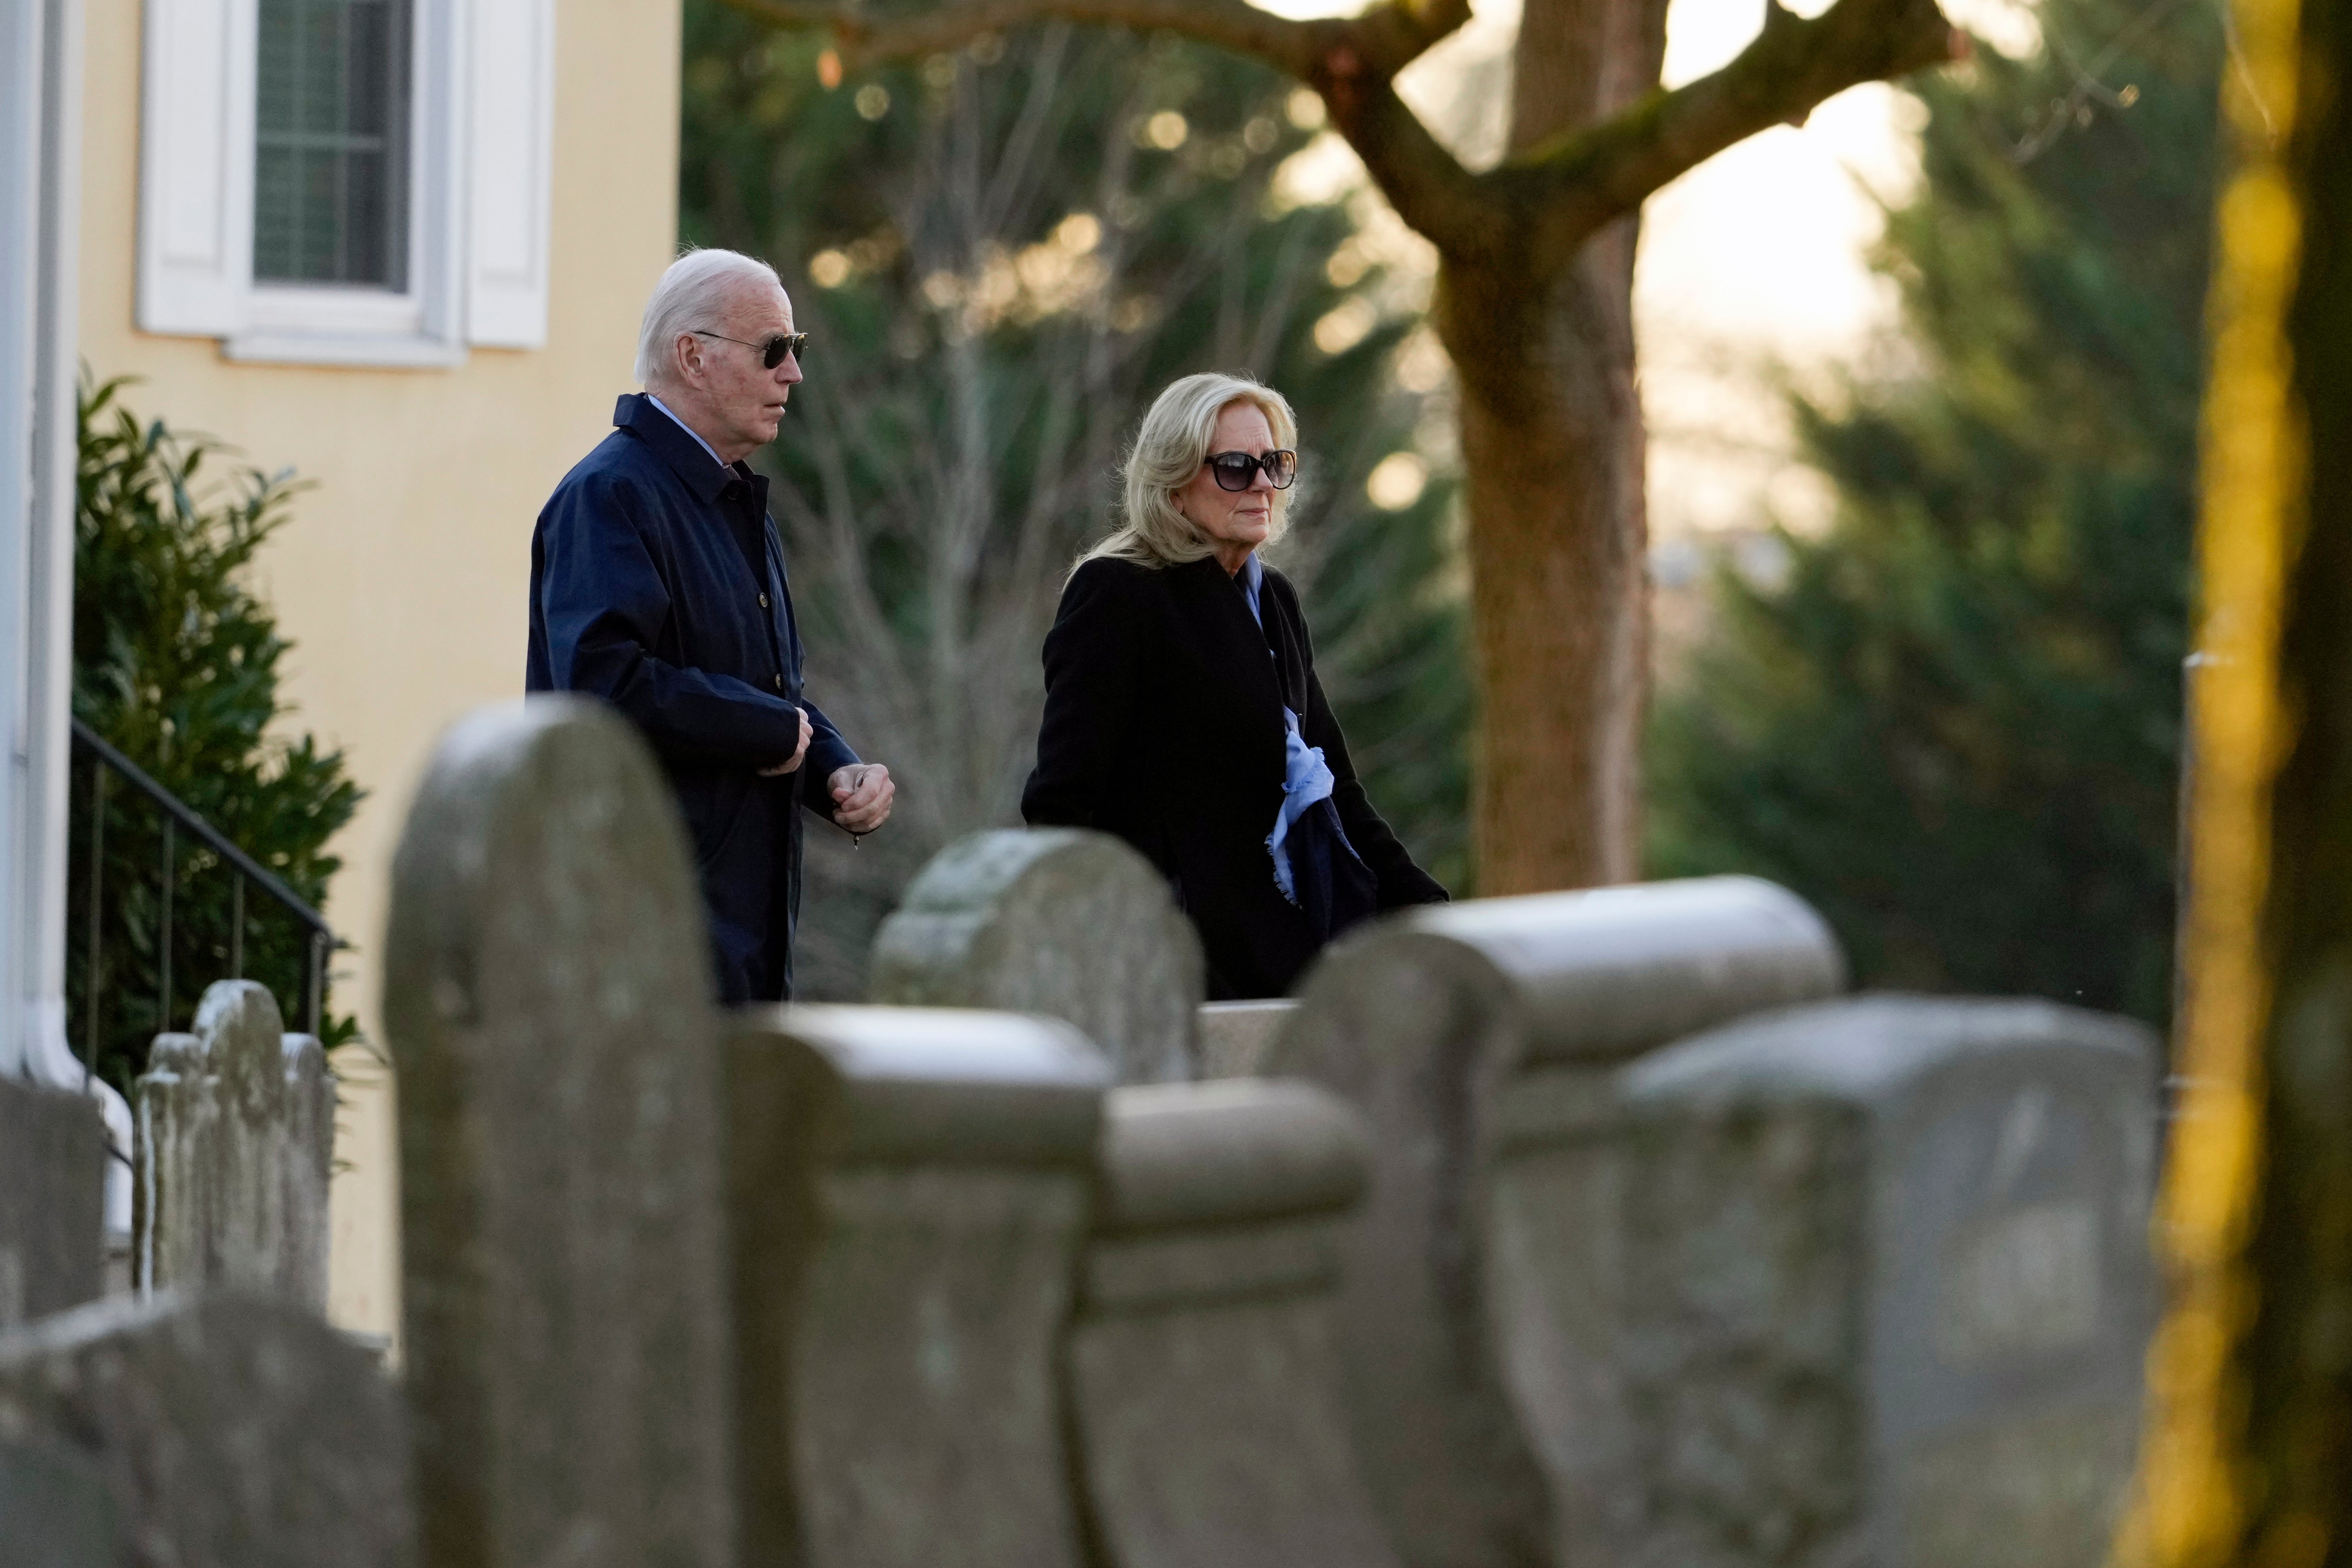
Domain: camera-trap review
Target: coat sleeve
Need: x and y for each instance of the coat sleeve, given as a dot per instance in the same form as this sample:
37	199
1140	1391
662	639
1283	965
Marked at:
605	607
828	755
1401	881
1091	678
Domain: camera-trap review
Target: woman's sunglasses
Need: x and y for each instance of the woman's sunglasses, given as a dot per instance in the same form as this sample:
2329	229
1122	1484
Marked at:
1239	471
772	353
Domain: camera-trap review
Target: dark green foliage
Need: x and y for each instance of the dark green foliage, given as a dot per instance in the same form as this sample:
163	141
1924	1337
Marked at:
1956	726
974	376
175	663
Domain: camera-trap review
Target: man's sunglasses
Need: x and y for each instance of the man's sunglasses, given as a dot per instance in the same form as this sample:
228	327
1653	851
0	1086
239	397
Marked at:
1239	471
772	353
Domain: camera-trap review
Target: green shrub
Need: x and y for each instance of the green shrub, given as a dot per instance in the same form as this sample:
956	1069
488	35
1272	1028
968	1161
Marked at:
175	663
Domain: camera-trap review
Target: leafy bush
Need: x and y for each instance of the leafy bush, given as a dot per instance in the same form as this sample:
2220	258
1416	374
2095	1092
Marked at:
175	663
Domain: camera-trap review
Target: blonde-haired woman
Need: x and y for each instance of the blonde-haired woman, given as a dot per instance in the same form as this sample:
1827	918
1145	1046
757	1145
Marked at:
1182	708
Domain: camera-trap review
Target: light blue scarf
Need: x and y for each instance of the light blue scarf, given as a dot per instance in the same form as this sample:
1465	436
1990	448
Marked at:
1306	778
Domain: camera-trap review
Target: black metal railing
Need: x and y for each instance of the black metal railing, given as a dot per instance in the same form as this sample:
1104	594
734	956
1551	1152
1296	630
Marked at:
176	818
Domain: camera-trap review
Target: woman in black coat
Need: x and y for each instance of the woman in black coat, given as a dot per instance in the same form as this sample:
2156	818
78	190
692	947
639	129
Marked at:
1182	708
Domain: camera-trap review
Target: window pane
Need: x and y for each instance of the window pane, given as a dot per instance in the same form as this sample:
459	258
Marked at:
331	186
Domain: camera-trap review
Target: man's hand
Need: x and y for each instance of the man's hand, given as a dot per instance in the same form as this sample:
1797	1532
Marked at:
861	797
798	753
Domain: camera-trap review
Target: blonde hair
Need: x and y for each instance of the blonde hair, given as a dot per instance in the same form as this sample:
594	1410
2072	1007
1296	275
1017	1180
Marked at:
1168	451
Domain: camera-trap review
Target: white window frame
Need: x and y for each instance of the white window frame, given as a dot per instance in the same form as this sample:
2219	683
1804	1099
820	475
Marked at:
481	154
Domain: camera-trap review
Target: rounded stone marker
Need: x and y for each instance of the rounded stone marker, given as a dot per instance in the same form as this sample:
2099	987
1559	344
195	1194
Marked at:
548	996
235	1154
1060	922
1477	1040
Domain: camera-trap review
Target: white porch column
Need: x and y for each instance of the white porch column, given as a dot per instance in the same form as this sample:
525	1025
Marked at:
41	215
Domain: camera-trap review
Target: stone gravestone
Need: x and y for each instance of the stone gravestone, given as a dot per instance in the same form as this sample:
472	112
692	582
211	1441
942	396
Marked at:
908	1192
1478	1039
1203	1379
1888	1287
1236	1036
52	1187
237	1140
1070	924
219	1432
55	1508
547	996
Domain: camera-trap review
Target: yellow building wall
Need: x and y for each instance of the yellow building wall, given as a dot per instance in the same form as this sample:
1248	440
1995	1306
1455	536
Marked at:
403	579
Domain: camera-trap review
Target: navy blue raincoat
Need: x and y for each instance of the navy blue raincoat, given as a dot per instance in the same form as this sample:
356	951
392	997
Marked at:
657	583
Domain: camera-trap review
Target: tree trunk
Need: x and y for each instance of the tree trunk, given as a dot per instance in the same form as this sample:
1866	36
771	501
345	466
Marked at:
2248	1453
1553	443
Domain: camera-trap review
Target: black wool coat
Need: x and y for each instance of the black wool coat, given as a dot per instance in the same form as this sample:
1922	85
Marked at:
1163	725
657	583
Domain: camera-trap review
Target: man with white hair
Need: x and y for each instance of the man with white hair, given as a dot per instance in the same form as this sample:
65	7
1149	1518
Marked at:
657	583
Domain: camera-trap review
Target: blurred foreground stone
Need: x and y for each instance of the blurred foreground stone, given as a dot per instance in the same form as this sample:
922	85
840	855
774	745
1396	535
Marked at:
219	1432
547	993
1887	1285
909	1189
1477	1331
1202	1380
52	1170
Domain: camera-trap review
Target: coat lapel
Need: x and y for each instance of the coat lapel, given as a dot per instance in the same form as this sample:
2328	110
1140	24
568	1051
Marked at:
1239	646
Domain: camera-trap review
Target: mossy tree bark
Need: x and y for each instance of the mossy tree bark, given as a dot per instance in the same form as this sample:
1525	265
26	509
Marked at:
2248	1458
1553	445
1534	305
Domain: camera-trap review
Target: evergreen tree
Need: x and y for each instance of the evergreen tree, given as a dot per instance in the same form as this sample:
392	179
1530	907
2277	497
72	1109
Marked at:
1955	726
1003	253
175	663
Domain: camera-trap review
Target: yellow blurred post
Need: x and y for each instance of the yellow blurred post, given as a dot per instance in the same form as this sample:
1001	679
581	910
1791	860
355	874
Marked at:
2248	1453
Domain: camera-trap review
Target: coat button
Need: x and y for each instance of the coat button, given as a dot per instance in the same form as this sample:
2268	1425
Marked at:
763	601
780	683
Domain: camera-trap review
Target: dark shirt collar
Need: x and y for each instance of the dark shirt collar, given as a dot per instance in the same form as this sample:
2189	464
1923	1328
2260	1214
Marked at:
676	445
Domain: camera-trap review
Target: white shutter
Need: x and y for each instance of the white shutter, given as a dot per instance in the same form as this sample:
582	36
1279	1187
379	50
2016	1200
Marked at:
509	153
196	166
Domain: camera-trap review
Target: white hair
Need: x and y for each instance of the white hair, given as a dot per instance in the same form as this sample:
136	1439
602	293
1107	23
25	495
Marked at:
1168	450
693	295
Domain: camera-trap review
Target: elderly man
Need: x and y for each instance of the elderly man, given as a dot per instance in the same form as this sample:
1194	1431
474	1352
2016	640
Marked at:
657	583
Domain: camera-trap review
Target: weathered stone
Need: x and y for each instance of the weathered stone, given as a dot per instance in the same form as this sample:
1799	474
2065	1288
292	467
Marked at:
547	998
1069	924
1236	1036
220	1432
237	1140
1204	1382
909	1190
1477	1040
55	1508
1887	1287
52	1188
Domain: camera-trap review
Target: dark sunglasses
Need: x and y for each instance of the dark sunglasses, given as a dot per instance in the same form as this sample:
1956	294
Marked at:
772	353
1239	471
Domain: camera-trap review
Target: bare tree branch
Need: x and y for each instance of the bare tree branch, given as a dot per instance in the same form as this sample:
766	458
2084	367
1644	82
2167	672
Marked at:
1571	187
866	40
1384	39
1458	212
1350	60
